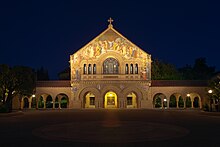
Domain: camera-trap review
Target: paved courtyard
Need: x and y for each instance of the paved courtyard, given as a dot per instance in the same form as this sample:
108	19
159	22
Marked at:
113	127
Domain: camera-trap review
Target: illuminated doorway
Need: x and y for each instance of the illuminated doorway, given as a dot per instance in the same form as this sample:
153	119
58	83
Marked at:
110	100
131	100
89	100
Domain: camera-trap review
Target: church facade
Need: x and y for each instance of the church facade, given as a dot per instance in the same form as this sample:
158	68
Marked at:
112	72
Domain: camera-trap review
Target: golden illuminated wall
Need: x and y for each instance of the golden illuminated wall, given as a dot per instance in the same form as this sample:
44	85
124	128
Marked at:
112	44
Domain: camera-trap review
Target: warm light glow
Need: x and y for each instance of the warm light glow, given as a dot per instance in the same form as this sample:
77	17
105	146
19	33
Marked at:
164	100
110	100
188	95
210	91
33	95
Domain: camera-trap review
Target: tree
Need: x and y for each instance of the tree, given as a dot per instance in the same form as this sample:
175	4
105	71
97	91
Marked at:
164	71
65	74
214	91
187	72
15	81
202	71
199	71
42	74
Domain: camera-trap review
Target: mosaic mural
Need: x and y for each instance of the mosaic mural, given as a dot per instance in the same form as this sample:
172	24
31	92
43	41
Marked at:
108	42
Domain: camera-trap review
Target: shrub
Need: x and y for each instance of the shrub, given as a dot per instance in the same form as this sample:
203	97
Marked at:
206	107
3	109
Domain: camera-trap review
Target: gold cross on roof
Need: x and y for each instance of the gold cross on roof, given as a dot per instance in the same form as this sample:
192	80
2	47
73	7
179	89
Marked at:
110	20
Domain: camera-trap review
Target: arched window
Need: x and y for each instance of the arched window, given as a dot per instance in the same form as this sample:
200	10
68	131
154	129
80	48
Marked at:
136	69
94	68
84	69
131	69
110	66
126	69
89	69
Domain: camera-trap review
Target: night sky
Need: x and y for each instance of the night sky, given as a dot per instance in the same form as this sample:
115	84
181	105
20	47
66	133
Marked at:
44	33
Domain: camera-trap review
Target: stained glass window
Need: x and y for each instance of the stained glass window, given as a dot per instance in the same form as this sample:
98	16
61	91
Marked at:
89	69
110	66
94	68
131	69
84	69
126	69
136	69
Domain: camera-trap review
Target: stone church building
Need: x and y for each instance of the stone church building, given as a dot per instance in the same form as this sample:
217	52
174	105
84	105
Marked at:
112	72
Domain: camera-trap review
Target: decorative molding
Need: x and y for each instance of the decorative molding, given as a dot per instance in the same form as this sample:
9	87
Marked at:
122	87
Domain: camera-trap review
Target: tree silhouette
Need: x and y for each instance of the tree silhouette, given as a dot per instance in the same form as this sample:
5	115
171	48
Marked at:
15	81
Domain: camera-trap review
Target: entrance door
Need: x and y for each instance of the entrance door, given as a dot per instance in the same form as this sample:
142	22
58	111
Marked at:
110	100
131	100
89	100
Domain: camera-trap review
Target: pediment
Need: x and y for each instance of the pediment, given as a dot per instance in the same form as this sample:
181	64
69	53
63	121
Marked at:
110	40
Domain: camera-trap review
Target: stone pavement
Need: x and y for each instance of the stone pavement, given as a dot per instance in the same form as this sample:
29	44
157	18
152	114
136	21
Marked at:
114	127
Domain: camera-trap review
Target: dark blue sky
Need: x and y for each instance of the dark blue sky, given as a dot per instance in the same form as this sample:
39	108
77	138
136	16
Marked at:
44	33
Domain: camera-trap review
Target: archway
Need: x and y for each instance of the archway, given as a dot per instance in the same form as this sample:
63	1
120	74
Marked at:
196	102
131	100
89	100
188	102
64	102
172	102
111	100
159	100
181	102
61	101
25	103
49	102
41	102
33	102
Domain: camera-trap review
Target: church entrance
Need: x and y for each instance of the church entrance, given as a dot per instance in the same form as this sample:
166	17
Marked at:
110	100
131	100
89	100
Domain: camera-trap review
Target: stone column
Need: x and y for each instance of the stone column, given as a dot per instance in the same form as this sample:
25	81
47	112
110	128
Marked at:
119	104
122	103
184	102
36	103
53	104
125	104
59	101
139	104
177	103
44	104
168	103
21	104
200	103
29	104
59	105
101	104
96	104
70	105
44	99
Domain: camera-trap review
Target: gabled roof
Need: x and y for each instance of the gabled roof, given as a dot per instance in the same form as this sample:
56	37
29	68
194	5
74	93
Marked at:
111	40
